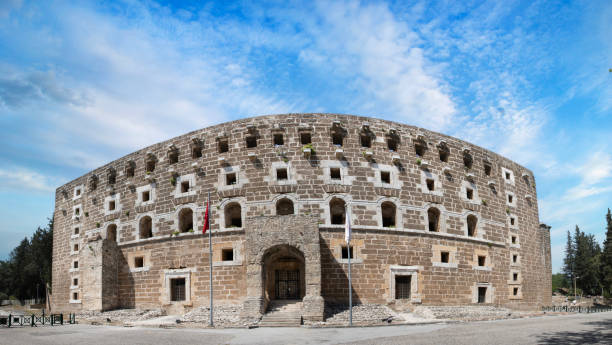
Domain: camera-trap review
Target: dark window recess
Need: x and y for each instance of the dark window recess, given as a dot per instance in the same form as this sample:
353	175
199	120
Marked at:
75	281
129	170
305	138
388	214
430	184
366	140
444	256
385	177
223	146
146	227
392	144
512	221
230	179
284	207
76	231
487	169
150	166
251	142
196	152
185	187
419	148
337	211
139	262
482	294
402	287
514	258
515	276
146	196
76	248
469	193
334	173
177	289
227	254
112	178
111	205
433	217
507	175
471	225
510	198
513	239
515	291
337	139
467	160
482	260
346	251
443	155
281	174
75	264
279	139
233	216
75	296
173	157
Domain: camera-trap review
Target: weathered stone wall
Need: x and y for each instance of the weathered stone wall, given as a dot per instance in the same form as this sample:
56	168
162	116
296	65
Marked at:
310	188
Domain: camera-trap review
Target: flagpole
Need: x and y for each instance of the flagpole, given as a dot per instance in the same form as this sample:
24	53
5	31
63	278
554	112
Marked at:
210	259
348	250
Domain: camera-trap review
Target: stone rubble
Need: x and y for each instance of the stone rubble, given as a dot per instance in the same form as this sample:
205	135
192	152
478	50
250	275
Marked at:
363	314
225	316
466	313
119	316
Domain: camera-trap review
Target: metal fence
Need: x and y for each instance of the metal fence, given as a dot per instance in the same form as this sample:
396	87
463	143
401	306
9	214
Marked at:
577	309
34	320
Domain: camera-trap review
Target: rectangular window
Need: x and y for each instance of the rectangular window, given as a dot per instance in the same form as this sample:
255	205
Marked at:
509	198
111	205
487	169
482	294
366	140
278	139
75	248
469	193
430	184
305	138
78	192
129	171
184	186
196	152
75	264
251	141
402	287
150	166
227	254
346	252
515	291
230	179
177	289
75	282
443	155
337	139
419	149
482	260
514	258
444	256
281	174
515	276
146	196
385	177
76	231
334	173
392	144
513	239
507	175
223	146
511	220
139	262
75	296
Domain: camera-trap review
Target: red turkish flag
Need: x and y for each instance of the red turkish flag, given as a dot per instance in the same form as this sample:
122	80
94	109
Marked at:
206	216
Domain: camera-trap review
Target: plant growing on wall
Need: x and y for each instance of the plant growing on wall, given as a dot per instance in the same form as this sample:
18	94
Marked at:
309	146
418	161
173	181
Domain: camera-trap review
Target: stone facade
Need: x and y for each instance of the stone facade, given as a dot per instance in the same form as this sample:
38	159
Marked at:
436	221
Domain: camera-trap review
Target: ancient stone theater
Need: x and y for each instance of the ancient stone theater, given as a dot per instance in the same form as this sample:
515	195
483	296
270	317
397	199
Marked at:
435	221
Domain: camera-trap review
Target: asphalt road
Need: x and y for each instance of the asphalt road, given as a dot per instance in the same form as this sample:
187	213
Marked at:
566	329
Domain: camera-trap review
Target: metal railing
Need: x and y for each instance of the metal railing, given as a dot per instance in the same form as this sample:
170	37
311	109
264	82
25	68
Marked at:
34	320
577	309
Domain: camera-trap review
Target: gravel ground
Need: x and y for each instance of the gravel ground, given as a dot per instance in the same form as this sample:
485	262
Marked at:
467	313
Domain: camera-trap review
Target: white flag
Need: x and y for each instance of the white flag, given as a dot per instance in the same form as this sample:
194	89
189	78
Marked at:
347	226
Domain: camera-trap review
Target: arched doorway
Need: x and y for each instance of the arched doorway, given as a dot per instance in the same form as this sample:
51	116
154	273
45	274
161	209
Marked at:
284	273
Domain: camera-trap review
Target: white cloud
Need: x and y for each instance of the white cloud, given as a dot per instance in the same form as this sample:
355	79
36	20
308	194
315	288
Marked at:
21	179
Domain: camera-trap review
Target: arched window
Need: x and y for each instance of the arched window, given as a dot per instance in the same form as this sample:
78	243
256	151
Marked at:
284	207
337	211
185	220
471	225
111	233
233	215
433	219
388	214
145	227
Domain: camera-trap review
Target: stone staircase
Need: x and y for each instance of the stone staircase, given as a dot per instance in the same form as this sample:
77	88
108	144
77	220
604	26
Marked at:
283	313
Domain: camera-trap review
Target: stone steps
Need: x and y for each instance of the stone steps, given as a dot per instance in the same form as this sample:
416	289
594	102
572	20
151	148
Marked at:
283	313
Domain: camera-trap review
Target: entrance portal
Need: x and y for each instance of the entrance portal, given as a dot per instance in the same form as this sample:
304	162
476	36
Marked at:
284	273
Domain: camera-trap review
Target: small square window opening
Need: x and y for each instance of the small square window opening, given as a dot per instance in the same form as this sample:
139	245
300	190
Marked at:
305	138
281	174
444	257
251	142
227	254
184	186
139	262
230	179
334	173
469	193
346	252
385	177
366	140
146	196
223	146
430	184
482	260
279	139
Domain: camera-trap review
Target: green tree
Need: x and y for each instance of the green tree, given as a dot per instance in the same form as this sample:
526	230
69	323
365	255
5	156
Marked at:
587	257
569	261
606	257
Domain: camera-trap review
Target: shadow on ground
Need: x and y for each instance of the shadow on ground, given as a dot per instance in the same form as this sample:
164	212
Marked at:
601	333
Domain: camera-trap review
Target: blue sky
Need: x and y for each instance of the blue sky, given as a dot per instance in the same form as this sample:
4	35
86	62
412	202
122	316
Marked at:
83	84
